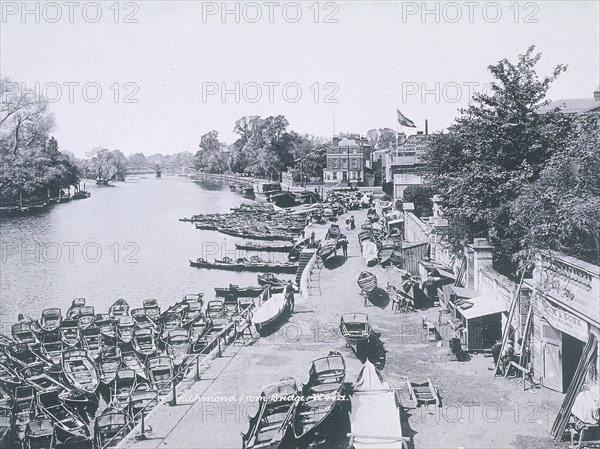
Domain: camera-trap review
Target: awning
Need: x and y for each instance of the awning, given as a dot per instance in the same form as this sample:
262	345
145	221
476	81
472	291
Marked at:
482	306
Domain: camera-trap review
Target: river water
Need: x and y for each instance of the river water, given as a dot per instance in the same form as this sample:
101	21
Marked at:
123	242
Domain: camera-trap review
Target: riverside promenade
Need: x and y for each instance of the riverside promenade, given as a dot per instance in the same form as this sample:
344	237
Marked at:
478	410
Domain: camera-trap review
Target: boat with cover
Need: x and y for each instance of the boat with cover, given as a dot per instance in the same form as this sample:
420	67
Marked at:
356	330
234	290
144	342
119	308
65	420
123	385
275	247
108	364
142	320
79	370
125	327
70	332
178	346
152	308
110	428
321	400
269	427
51	319
375	416
92	341
39	432
269	311
161	373
86	316
73	311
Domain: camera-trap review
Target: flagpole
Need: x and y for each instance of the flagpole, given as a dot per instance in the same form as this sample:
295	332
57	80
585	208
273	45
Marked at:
396	129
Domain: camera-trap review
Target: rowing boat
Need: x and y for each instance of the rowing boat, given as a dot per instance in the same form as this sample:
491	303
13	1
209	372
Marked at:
356	330
251	246
245	265
118	309
79	370
234	290
269	311
367	281
51	319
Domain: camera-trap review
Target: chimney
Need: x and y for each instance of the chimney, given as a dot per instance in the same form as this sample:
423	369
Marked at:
426	127
597	94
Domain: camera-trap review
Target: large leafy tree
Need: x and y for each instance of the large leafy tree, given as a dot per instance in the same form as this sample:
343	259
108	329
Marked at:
498	145
211	157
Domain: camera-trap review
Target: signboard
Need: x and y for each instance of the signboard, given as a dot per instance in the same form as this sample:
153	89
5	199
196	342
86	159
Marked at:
563	320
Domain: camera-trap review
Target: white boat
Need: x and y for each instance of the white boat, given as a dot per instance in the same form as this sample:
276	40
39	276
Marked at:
375	417
268	311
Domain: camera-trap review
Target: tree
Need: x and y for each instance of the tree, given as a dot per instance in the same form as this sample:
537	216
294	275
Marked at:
561	210
498	145
420	196
387	138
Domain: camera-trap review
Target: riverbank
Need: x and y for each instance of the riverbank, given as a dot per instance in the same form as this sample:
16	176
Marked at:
478	410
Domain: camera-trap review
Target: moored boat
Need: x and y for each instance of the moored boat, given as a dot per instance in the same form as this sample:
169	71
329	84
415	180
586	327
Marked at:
80	371
269	311
161	373
86	316
51	319
22	333
73	311
108	328
24	406
65	421
142	320
108	364
245	265
269	427
270	279
119	308
8	376
123	385
39	432
234	290
125	327
70	332
178	346
152	308
215	309
250	246
51	346
92	341
132	361
191	314
144	342
110	428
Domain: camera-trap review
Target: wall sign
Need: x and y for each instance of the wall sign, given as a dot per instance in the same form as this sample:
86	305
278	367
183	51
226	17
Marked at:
562	320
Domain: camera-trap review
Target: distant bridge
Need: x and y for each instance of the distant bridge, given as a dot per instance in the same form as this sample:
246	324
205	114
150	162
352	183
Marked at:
133	169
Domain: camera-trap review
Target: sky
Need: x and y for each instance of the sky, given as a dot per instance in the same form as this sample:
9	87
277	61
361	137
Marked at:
154	76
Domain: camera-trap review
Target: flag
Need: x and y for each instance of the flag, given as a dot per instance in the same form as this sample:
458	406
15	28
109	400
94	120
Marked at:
405	121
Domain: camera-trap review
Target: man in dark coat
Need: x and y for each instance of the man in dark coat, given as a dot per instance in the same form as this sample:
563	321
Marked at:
496	353
288	291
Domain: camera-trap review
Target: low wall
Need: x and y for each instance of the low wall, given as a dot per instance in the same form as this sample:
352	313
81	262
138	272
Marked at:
414	229
305	278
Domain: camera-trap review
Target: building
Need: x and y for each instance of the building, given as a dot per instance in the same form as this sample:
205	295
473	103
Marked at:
405	165
575	105
348	160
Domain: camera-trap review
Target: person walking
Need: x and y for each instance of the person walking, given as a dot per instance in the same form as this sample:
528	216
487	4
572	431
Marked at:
289	296
352	223
312	239
344	245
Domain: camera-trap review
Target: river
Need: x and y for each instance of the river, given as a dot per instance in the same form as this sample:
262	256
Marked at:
123	242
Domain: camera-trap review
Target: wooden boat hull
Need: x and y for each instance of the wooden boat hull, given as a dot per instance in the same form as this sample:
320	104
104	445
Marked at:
245	267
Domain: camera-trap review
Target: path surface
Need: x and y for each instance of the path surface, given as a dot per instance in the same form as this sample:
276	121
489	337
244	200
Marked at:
479	411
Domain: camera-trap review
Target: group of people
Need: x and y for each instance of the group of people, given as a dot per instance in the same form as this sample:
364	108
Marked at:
350	223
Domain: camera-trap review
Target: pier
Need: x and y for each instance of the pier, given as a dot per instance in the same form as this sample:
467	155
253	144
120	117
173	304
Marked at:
212	412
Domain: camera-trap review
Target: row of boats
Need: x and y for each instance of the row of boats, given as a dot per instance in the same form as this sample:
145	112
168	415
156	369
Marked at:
311	415
53	368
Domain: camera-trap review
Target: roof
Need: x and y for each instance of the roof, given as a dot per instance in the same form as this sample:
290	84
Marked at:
345	142
483	306
572	105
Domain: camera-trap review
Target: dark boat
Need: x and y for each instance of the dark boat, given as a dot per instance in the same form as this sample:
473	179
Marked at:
321	400
125	327
142	400
92	341
22	356
81	195
108	364
178	346
326	249
108	328
66	422
76	304
151	308
169	322
123	385
39	433
80	371
6	417
356	330
372	215
118	309
250	246
51	346
110	428
245	265
206	341
255	235
191	314
161	373
198	328
24	406
51	319
142	320
86	316
22	333
70	332
269	427
270	279
235	291
8	376
144	342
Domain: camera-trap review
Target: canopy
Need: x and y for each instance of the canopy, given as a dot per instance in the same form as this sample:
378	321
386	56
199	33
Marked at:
375	417
483	306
